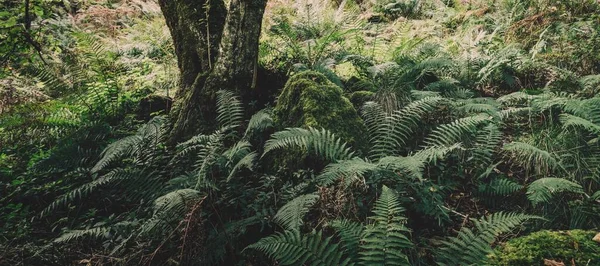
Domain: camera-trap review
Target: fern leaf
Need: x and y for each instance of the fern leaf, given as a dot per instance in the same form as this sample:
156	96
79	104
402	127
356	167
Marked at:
350	234
571	121
385	240
291	214
259	122
320	142
94	233
350	170
544	189
472	247
229	109
293	248
531	157
170	209
457	131
398	128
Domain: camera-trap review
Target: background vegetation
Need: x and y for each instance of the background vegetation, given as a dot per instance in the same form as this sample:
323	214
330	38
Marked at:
408	132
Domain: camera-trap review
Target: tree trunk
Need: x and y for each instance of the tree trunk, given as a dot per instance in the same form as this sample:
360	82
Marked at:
196	28
234	63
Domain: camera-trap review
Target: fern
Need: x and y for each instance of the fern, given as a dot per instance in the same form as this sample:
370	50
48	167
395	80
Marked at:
457	131
373	116
170	209
471	247
229	110
320	142
500	187
531	157
291	214
350	170
259	122
293	248
571	121
544	189
384	240
93	233
398	128
411	166
486	142
245	162
111	177
350	234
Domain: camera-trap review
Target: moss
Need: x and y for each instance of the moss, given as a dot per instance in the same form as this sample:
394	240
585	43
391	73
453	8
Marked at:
309	99
564	246
356	84
358	98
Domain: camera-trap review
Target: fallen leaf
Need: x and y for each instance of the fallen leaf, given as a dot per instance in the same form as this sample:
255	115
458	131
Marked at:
597	238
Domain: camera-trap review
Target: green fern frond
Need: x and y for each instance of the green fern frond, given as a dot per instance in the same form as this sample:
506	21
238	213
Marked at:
588	109
170	209
477	108
93	233
434	153
350	234
471	247
320	142
86	189
571	121
410	165
531	157
293	248
245	162
544	189
385	240
486	142
142	144
115	151
258	122
516	98
291	214
349	170
500	187
457	131
398	128
229	109
373	115
515	111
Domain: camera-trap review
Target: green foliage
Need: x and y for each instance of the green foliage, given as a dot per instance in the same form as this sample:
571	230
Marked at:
294	248
310	100
320	142
385	238
544	189
471	247
532	158
394	131
574	246
290	216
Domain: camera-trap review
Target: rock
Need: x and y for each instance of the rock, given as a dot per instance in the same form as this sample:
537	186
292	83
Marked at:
597	238
574	247
309	99
152	104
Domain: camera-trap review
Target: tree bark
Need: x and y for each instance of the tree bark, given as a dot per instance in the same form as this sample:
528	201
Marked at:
196	27
234	69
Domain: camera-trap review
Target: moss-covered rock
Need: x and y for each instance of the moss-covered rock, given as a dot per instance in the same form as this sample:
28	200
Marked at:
359	98
356	84
562	246
309	99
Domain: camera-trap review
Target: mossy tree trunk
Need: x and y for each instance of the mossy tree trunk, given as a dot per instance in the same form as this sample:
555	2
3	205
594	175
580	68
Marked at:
216	49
